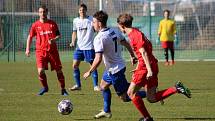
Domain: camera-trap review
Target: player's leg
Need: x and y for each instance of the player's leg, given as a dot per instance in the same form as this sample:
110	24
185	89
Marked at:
137	100
77	58
89	56
42	64
104	85
166	55
56	65
61	79
152	84
43	80
172	52
121	86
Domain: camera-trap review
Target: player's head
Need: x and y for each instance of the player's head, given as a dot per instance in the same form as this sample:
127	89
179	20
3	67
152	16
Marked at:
82	10
124	21
100	20
166	14
43	12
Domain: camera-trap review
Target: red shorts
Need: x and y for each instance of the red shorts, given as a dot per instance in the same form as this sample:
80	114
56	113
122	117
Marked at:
167	44
139	77
45	57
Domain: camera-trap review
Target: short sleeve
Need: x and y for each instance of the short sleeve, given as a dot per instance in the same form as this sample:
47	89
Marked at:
159	28
57	32
98	44
119	34
74	28
32	32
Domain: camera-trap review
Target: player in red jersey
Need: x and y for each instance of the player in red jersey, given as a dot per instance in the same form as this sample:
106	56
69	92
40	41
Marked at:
46	32
146	72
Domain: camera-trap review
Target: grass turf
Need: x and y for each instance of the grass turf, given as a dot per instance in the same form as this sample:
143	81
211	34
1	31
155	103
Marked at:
19	102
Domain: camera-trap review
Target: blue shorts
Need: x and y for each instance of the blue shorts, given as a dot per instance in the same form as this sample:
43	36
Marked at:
118	81
84	55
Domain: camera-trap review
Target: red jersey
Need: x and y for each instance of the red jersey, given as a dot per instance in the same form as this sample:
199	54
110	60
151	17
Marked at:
138	40
44	32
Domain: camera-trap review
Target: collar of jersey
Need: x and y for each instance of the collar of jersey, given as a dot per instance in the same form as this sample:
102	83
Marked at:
105	29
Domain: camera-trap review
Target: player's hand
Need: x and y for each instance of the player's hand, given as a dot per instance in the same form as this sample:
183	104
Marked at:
27	53
149	75
158	40
133	60
51	41
86	74
72	44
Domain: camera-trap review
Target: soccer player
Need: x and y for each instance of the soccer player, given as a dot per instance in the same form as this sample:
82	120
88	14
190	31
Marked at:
146	72
47	33
83	30
167	35
108	43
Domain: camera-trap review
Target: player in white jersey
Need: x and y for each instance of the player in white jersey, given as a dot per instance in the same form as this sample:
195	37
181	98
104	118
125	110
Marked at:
107	44
83	31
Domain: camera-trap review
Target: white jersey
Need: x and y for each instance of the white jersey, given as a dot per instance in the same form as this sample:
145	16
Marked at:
107	41
85	32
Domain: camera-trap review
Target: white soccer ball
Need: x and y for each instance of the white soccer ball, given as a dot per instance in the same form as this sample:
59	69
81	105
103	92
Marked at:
65	107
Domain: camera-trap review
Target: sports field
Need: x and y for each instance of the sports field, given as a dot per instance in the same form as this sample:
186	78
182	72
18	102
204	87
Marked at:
19	102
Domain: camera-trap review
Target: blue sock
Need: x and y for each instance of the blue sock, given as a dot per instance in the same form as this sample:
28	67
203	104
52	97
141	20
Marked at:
107	99
76	74
95	78
142	94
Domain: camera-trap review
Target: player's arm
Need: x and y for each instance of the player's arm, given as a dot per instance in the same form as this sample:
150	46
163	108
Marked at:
29	41
58	36
94	66
32	33
128	47
74	36
146	60
159	29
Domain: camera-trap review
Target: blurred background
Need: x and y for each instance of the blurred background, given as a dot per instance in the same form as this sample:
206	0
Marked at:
195	21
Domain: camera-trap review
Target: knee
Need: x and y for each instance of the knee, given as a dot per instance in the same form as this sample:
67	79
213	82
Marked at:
151	100
103	87
131	94
41	71
75	66
124	97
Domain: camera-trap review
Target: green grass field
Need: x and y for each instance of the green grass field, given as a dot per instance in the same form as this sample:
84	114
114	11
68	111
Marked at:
19	102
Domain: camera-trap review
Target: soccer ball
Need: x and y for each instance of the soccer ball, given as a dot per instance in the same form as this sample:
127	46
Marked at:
65	107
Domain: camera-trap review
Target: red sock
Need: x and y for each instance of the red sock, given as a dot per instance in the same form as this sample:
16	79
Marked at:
165	93
43	80
61	79
138	102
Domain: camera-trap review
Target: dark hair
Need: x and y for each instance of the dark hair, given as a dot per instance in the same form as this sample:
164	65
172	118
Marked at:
43	7
83	5
102	17
125	20
166	11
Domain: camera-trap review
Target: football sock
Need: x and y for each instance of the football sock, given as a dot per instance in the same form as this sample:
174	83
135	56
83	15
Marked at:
165	93
166	54
139	104
61	79
43	80
172	53
76	74
95	78
107	100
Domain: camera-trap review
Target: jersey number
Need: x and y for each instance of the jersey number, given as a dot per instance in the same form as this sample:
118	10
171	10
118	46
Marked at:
115	43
